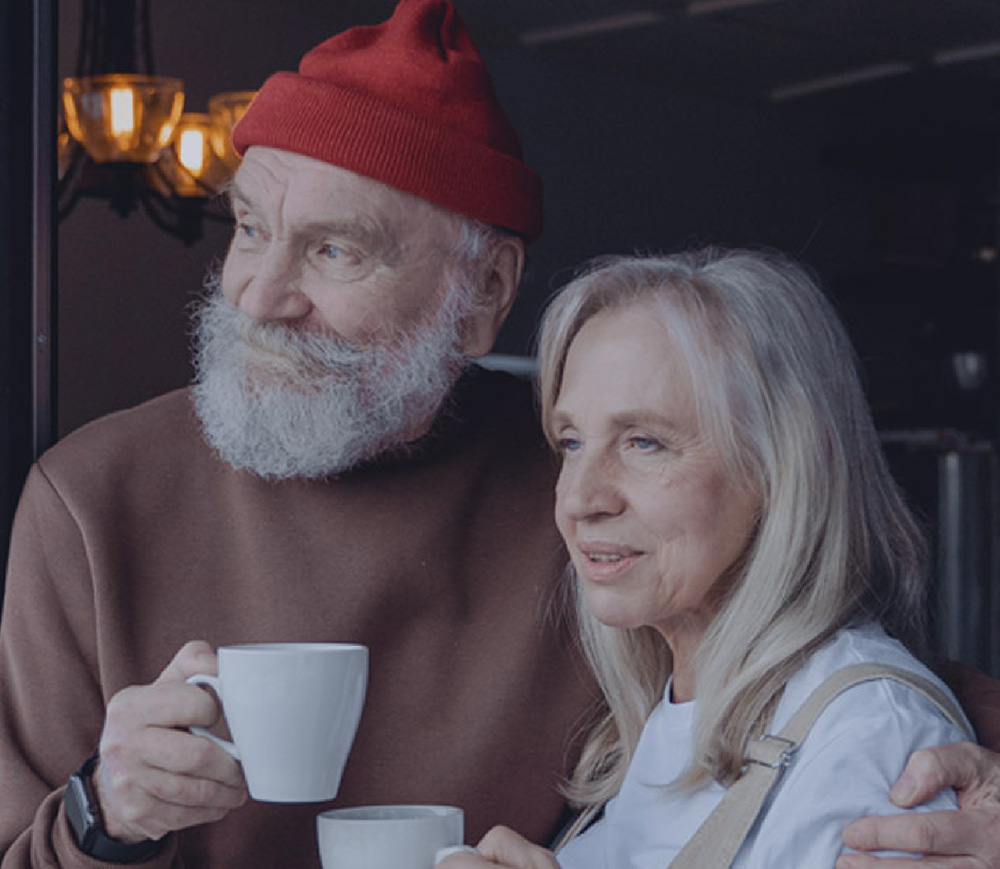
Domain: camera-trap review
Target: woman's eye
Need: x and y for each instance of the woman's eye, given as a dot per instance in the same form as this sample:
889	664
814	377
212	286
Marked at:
330	251
568	445
641	442
248	229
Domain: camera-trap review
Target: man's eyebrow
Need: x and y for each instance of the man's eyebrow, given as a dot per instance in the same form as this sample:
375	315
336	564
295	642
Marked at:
375	237
364	230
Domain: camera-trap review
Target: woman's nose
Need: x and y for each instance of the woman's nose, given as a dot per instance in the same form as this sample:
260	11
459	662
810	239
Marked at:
588	489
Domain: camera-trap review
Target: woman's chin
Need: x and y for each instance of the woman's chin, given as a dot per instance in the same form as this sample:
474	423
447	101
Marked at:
613	614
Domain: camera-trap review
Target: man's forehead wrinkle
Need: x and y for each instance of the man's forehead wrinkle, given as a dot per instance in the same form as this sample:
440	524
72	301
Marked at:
262	170
237	196
304	199
361	225
249	193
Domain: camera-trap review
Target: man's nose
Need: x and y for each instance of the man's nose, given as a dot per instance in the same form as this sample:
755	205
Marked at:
273	291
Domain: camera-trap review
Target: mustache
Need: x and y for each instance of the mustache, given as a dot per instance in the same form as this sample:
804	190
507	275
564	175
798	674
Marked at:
284	348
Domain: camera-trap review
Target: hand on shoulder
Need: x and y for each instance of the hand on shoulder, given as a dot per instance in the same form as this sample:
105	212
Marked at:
969	837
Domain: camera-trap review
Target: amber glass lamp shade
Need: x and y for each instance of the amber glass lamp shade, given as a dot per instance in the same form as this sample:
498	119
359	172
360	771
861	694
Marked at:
123	117
193	165
226	110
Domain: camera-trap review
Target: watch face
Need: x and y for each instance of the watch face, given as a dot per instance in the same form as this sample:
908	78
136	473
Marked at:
79	812
84	819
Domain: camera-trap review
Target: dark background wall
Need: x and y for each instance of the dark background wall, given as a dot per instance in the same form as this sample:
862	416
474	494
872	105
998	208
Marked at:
889	195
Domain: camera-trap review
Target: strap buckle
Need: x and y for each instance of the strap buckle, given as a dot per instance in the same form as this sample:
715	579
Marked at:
774	752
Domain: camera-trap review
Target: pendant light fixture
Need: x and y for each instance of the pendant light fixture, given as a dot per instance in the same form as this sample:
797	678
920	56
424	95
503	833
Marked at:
127	138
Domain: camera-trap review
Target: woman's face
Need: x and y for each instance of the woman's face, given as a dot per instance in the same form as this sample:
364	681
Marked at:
651	517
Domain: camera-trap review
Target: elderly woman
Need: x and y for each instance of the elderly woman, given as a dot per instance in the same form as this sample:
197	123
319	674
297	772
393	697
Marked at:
736	538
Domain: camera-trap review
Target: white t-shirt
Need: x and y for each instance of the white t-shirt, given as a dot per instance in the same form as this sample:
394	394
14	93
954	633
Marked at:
844	769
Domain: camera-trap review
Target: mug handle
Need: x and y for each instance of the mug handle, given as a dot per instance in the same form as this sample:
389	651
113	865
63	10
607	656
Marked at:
215	684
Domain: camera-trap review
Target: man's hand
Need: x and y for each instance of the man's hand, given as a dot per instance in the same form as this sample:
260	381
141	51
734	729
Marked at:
966	839
153	776
501	846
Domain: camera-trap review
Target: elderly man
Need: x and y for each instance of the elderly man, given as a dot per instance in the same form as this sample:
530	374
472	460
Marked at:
337	473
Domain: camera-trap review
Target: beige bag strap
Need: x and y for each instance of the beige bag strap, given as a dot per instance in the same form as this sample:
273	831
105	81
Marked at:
716	841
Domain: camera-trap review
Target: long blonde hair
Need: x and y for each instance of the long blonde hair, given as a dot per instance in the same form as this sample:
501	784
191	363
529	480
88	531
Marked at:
777	390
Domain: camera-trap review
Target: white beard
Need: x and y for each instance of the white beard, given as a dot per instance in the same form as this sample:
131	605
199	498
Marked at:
282	403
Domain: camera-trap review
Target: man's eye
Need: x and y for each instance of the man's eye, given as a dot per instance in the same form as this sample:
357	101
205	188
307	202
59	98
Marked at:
341	261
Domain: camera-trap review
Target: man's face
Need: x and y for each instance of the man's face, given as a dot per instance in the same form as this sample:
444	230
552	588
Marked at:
332	252
340	325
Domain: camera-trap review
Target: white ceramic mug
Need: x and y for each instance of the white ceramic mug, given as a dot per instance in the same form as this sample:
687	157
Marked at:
292	710
387	837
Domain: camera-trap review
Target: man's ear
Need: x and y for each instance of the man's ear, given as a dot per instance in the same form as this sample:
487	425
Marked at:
499	287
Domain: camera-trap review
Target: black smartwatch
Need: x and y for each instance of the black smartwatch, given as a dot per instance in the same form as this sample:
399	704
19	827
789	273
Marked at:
83	812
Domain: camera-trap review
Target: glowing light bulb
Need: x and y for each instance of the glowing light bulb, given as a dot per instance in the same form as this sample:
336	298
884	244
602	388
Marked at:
122	112
191	151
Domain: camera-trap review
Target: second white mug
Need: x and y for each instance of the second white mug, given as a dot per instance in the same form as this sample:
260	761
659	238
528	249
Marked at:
387	837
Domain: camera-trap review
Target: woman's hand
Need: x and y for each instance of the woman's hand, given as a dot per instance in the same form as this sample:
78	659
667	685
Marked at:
501	846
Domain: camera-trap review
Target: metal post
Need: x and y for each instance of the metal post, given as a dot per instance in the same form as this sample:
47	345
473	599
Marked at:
44	226
965	561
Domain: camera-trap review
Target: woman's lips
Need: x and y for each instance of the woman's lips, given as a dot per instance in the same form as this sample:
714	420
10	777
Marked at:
603	562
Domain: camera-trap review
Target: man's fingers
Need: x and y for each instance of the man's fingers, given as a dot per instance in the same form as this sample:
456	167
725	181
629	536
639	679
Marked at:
867	861
191	792
954	833
146	801
163	704
930	770
966	839
194	657
154	776
179	791
161	802
181	753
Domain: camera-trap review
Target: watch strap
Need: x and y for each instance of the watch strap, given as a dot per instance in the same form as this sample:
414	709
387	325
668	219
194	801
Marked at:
83	812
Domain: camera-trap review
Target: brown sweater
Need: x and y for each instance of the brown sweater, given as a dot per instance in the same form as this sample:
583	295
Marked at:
132	538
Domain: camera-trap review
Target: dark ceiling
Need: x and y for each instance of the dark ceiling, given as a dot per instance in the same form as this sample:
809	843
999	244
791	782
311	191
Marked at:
770	51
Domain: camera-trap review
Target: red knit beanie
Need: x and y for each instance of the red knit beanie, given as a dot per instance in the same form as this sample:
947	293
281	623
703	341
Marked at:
408	102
